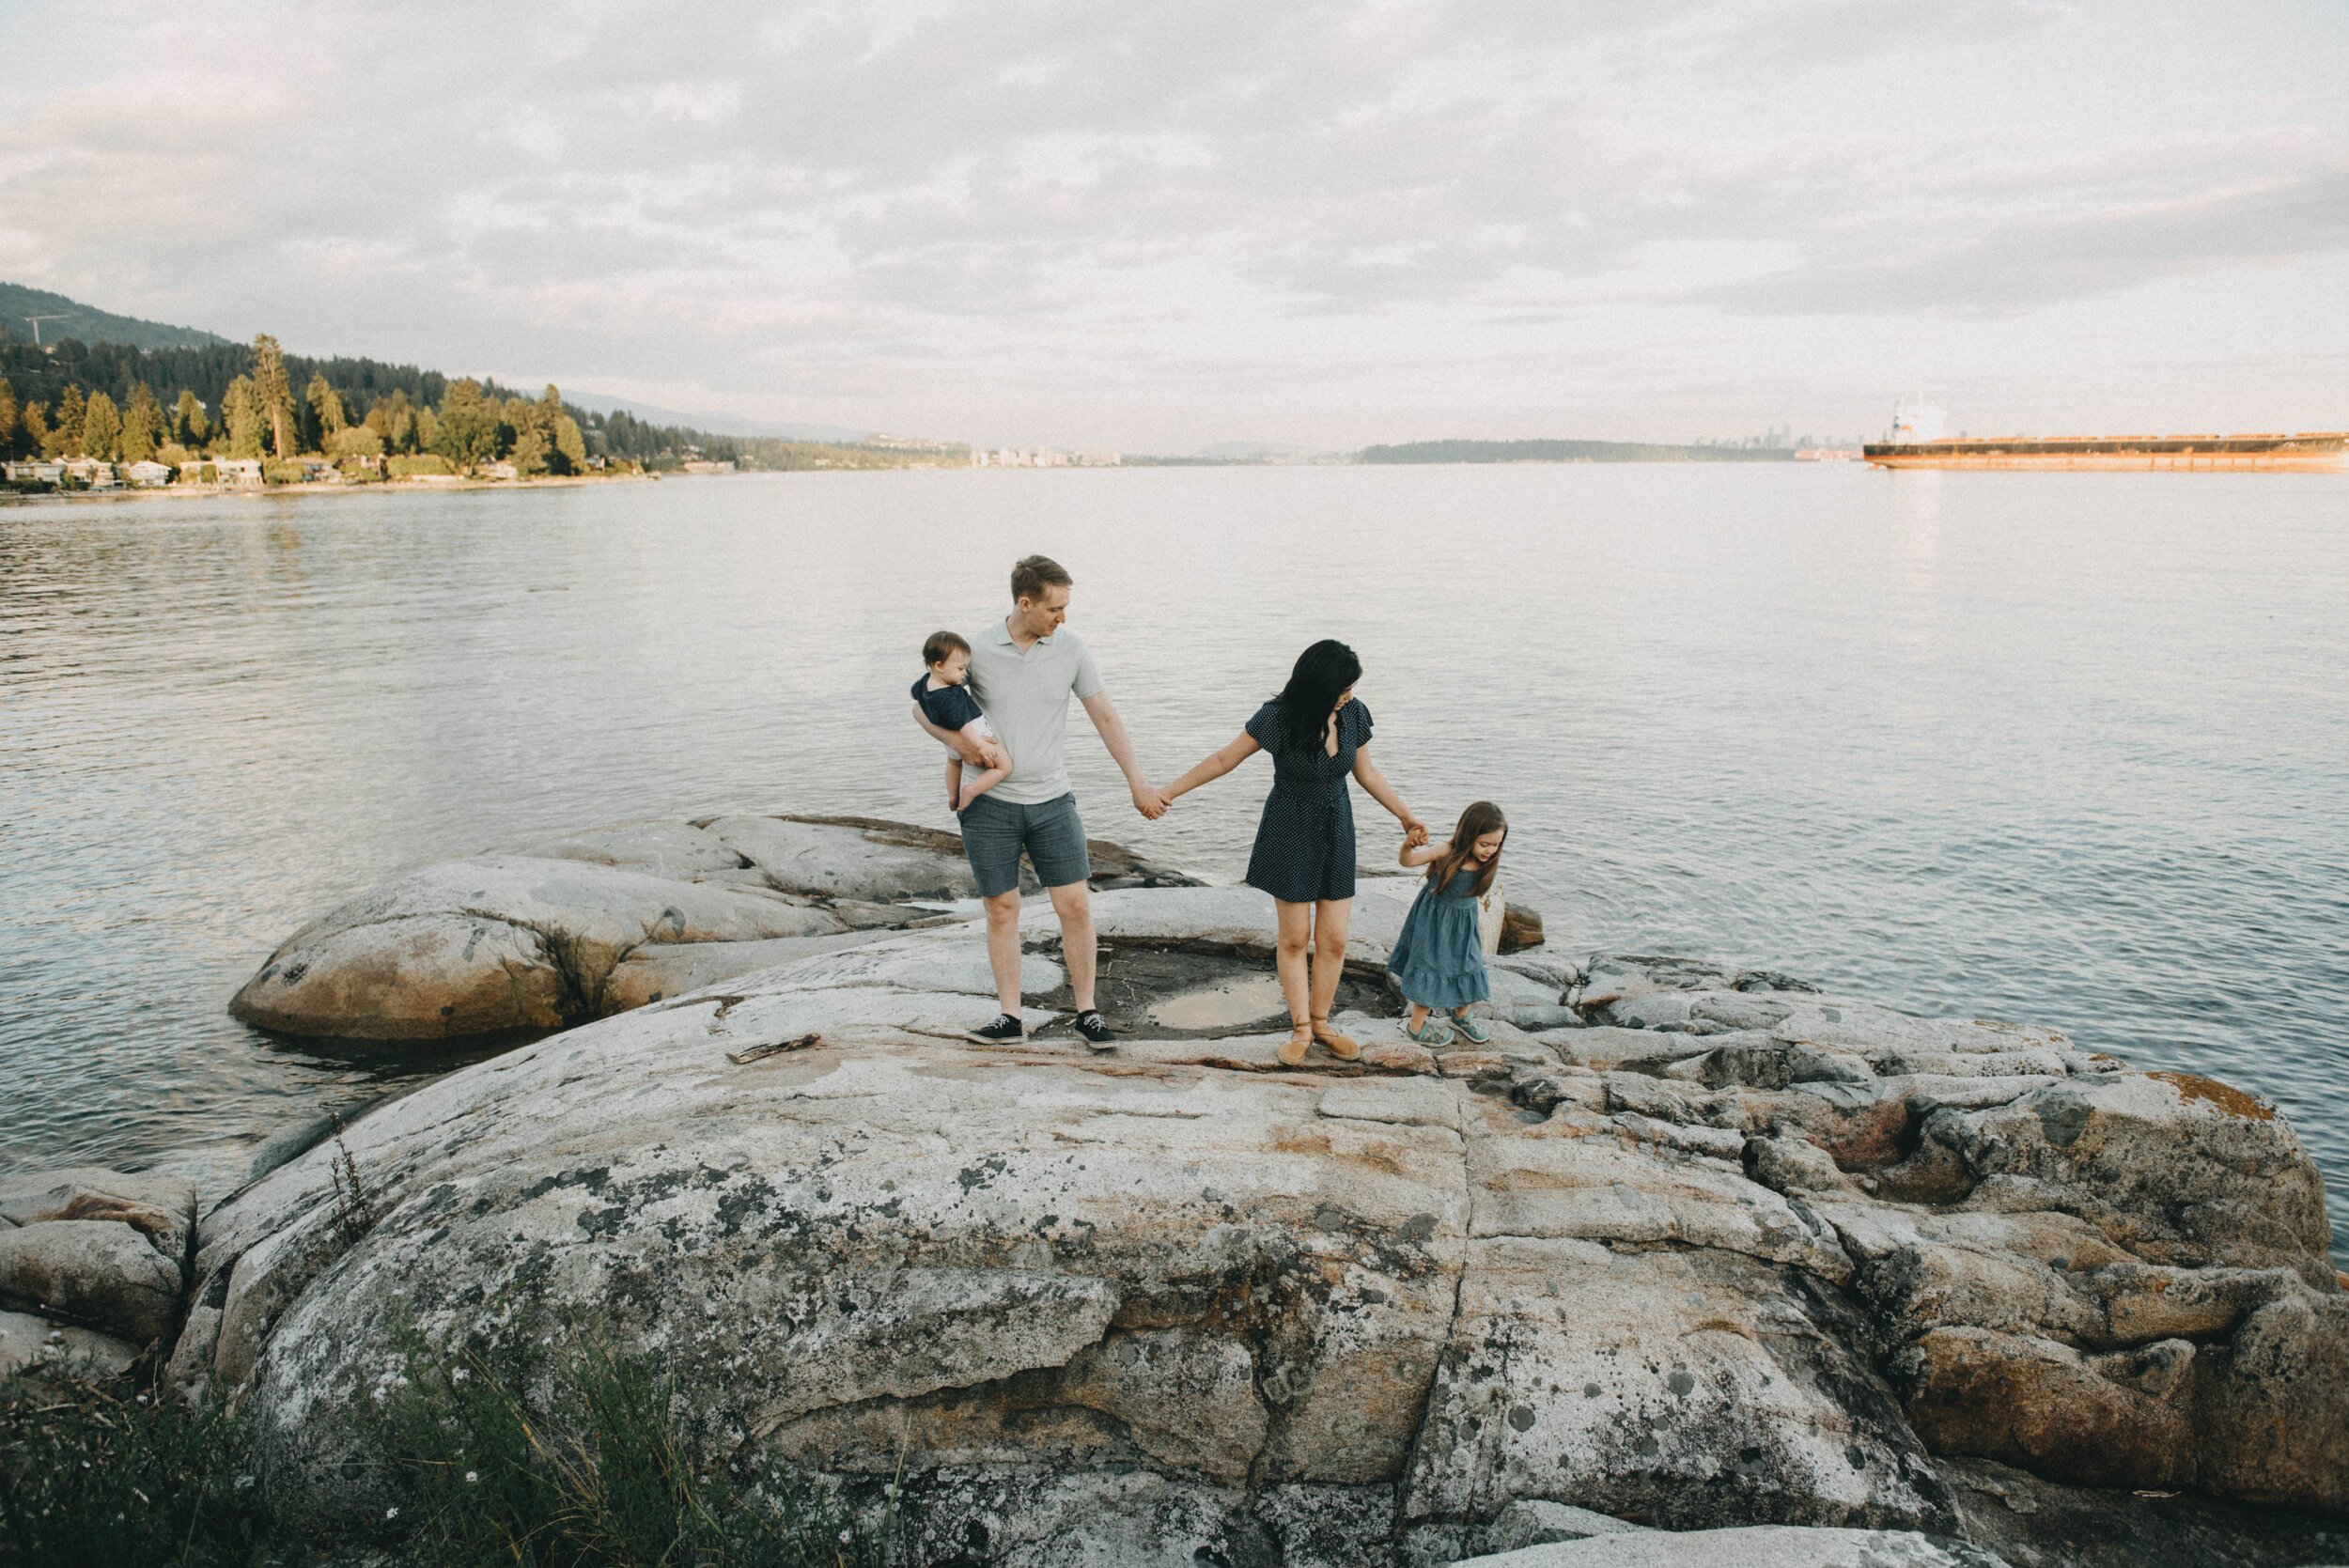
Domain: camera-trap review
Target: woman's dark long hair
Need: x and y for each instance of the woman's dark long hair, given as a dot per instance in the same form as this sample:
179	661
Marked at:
1323	673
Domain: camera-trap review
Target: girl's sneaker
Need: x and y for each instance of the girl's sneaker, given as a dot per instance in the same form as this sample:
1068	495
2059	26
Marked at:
1431	1032
1473	1028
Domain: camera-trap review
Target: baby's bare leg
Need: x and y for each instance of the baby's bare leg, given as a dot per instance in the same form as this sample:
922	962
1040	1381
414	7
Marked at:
997	770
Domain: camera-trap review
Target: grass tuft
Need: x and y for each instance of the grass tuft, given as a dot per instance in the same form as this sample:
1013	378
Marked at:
97	1471
567	1454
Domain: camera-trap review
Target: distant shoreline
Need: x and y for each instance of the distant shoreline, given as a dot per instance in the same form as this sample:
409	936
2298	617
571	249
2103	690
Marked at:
265	492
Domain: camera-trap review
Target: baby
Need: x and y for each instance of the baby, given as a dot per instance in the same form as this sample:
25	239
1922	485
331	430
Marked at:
947	703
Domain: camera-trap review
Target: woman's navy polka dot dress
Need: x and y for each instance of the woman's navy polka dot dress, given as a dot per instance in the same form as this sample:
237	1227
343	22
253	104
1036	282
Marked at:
1305	843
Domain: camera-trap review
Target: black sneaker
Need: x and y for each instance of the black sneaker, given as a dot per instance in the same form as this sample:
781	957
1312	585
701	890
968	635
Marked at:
1004	1030
1095	1029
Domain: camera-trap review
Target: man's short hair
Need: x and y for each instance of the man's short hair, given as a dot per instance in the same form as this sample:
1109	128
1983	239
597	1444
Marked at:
941	645
1032	575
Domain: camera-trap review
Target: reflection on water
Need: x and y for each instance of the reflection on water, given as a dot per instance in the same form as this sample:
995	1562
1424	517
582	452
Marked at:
1226	1006
2061	747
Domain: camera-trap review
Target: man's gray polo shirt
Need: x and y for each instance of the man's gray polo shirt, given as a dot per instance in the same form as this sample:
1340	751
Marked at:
1026	698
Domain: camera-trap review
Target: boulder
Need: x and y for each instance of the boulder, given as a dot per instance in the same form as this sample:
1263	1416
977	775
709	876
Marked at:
677	851
492	944
578	927
101	1273
1762	1547
27	1340
159	1206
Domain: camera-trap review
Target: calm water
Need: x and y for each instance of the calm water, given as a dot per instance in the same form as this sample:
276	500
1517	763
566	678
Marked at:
2070	748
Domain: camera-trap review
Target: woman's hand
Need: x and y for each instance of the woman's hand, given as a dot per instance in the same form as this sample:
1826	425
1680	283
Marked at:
1414	833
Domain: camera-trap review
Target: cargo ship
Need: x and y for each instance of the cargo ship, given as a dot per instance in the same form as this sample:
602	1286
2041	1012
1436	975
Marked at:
1916	440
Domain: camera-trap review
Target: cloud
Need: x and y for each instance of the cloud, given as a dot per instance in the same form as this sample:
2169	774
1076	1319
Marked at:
2021	267
1010	215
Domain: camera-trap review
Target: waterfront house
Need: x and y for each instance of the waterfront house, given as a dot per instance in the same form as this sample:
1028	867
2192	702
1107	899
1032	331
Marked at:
146	475
222	471
90	473
37	471
500	471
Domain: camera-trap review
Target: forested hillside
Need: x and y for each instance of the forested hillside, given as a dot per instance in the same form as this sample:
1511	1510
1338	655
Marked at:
59	318
120	401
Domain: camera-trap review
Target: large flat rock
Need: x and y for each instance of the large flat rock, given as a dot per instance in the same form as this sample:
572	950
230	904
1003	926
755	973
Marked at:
1180	1297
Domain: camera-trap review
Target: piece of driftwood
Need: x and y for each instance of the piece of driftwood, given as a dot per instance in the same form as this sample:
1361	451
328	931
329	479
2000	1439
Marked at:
759	1053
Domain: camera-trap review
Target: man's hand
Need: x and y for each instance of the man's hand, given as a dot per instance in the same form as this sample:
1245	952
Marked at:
993	755
1148	802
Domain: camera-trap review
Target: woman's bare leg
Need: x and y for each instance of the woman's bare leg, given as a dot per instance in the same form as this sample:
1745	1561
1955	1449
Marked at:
1293	942
1332	917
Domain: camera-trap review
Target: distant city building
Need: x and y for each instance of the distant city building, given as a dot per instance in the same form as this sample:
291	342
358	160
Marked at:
708	466
1042	456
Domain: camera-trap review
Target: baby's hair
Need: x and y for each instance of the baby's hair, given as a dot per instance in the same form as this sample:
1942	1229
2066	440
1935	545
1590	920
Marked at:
941	645
1482	817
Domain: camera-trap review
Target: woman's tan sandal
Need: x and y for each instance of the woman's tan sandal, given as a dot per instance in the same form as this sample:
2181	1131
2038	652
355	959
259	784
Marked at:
1342	1046
1293	1050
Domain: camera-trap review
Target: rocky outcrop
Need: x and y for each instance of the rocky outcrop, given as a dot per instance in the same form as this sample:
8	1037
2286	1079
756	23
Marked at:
574	928
103	1256
1686	1250
1687	1247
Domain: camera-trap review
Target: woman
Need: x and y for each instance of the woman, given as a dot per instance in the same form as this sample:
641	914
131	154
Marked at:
1304	857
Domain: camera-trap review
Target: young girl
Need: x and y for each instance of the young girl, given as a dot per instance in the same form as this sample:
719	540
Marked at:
1439	960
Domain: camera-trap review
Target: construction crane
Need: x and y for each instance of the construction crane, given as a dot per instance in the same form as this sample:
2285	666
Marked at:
37	320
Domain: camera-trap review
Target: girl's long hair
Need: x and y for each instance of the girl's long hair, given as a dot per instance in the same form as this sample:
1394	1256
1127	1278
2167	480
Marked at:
1323	672
1482	817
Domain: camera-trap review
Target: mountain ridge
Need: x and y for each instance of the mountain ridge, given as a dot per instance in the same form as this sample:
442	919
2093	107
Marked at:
20	303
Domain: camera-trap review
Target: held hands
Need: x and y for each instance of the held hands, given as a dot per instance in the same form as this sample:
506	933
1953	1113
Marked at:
1150	802
1414	833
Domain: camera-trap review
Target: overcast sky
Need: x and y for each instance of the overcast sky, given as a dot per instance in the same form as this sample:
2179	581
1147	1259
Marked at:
1154	226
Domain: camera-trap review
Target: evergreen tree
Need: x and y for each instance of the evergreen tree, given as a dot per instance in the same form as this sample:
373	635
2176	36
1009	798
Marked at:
532	451
468	426
425	436
34	442
189	427
65	433
243	418
11	423
101	429
326	406
143	424
570	445
276	392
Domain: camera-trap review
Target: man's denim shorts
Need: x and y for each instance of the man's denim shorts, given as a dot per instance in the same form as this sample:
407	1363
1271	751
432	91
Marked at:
995	832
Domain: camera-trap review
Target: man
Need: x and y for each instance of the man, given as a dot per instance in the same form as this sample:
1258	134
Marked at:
1024	671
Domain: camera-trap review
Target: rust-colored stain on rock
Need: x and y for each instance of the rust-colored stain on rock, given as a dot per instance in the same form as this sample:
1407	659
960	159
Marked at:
2234	1101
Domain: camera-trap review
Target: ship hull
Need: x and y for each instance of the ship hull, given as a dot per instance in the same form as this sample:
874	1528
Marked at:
2304	454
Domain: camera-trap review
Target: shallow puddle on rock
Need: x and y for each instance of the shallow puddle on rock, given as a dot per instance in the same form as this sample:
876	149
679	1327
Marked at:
1234	1003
